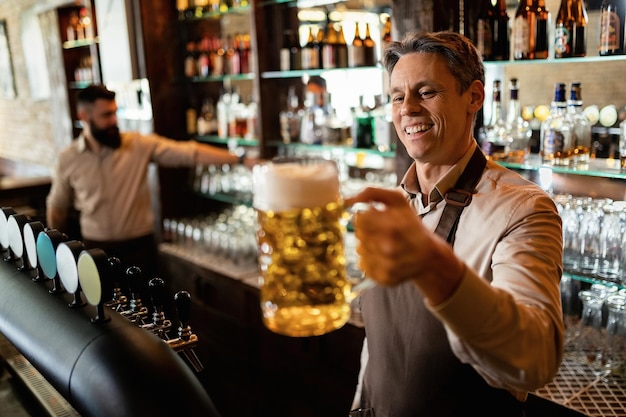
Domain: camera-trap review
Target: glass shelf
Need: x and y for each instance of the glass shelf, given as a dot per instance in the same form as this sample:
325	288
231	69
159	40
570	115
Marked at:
594	279
229	198
580	60
310	72
600	167
334	148
79	43
217	140
221	78
198	13
78	85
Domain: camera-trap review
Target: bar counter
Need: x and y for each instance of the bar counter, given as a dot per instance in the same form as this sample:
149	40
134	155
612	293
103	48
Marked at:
577	388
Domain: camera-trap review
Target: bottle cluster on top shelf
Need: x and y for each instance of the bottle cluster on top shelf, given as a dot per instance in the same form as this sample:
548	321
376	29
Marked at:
526	34
327	48
215	56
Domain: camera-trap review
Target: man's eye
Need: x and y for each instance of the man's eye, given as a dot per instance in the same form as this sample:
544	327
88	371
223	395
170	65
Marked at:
427	94
397	99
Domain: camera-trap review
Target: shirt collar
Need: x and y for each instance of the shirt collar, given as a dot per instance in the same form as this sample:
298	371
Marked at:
410	182
81	143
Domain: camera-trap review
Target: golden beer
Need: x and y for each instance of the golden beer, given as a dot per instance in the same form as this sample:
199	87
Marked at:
305	290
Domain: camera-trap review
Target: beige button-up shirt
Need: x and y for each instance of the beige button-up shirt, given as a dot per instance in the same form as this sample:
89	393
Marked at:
505	317
110	188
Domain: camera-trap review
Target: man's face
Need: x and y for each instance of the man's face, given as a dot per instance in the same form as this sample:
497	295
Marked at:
102	119
432	119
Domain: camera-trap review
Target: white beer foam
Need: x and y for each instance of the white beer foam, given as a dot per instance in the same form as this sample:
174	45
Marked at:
289	185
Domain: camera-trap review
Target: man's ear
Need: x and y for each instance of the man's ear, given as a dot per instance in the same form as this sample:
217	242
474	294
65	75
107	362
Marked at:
477	95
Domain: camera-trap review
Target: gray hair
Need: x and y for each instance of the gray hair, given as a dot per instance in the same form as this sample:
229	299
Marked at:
463	59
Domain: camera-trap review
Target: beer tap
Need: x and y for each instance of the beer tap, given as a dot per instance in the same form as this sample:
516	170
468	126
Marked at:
119	302
93	272
136	312
15	228
5	250
159	325
186	340
31	233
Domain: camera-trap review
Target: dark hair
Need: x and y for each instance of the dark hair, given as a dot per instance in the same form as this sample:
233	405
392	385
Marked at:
93	92
463	59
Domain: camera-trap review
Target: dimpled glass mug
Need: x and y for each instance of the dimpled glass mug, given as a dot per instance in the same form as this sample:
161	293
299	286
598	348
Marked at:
301	223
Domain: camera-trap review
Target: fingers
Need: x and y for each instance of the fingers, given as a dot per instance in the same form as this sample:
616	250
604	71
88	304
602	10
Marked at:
377	195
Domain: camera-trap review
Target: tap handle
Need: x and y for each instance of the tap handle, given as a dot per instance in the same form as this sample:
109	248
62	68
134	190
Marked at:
134	276
183	306
156	287
115	271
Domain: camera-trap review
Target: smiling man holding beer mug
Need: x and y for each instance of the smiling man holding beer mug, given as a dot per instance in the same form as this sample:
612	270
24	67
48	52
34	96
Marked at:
465	320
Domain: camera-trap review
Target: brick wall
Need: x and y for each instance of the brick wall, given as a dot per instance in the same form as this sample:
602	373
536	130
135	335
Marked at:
26	125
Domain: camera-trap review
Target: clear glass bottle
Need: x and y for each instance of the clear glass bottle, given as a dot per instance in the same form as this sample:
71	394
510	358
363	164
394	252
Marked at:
291	118
556	132
582	128
517	128
612	16
493	137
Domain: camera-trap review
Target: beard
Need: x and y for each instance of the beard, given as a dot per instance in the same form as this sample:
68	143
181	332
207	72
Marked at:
110	136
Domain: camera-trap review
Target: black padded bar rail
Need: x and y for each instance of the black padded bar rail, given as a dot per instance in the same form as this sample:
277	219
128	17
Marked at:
104	369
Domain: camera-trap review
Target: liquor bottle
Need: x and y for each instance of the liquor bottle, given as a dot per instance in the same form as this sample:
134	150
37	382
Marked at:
530	30
542	30
285	52
612	16
329	48
493	137
386	37
295	51
517	128
319	45
191	66
363	124
369	48
204	61
217	57
291	118
582	127
233	60
341	52
571	30
492	32
242	44
556	137
356	53
310	52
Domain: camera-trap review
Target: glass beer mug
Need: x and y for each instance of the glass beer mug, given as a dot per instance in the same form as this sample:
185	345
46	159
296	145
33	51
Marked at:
306	290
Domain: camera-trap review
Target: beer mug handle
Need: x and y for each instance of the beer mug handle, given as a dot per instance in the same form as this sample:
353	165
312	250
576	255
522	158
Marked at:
358	280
